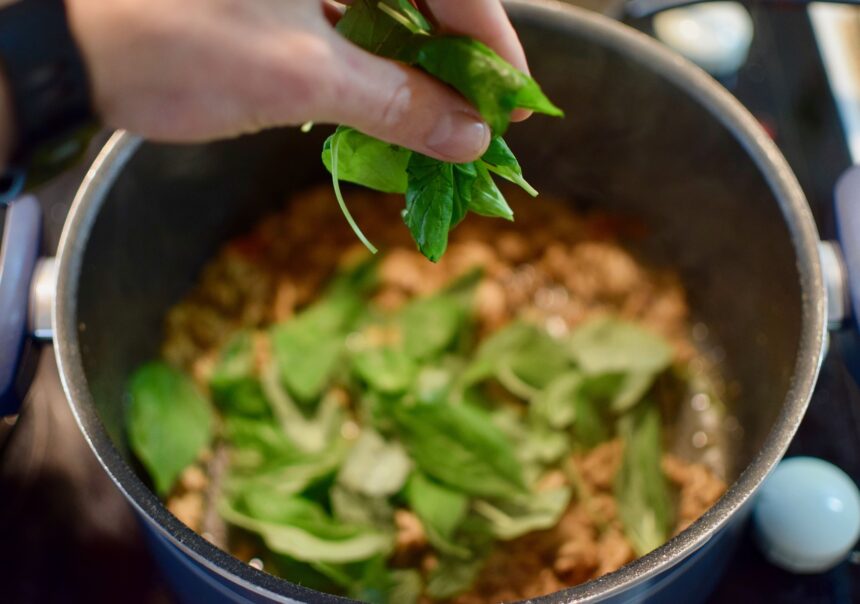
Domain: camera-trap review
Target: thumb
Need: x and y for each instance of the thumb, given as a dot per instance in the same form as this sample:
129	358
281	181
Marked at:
401	105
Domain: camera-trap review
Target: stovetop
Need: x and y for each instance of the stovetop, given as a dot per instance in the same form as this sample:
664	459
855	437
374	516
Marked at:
67	535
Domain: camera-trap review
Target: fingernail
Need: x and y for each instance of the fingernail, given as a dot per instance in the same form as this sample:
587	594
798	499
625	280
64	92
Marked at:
459	136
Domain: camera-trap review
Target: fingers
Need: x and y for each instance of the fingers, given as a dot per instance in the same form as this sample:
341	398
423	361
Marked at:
484	20
403	106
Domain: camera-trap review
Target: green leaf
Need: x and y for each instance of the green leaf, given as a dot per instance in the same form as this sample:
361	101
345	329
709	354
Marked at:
590	427
452	576
523	357
300	529
431	325
623	352
406	587
368	161
308	347
465	176
286	475
459	446
374	466
556	404
495	348
489	82
169	422
616	346
413	14
371	581
535	512
309	434
354	508
486	199
644	504
429	204
255	442
499	158
387	370
434	383
234	383
365	25
441	511
334	143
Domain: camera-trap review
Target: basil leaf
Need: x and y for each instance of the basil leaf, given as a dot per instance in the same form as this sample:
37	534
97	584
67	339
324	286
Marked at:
616	346
539	511
302	530
284	476
524	358
431	325
590	427
308	347
622	352
486	199
495	348
556	404
375	467
371	581
365	25
310	434
489	82
411	13
255	442
354	508
499	158
385	369
234	383
452	576
406	587
169	422
441	511
429	204
465	176
368	161
459	446
644	504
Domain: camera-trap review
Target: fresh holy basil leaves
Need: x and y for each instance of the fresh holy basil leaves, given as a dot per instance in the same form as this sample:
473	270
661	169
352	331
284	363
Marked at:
438	194
169	422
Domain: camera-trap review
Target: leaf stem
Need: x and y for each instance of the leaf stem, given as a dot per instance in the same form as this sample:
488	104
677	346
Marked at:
335	181
401	19
517	180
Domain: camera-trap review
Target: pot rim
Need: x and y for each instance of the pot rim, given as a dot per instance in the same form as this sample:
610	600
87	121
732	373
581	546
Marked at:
550	14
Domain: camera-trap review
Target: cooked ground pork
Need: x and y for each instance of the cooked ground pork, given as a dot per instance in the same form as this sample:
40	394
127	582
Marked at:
552	267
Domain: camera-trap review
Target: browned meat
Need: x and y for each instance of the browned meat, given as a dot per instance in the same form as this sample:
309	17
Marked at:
553	267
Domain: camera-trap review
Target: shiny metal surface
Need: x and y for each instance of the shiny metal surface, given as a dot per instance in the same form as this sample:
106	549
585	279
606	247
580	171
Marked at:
42	288
535	17
835	283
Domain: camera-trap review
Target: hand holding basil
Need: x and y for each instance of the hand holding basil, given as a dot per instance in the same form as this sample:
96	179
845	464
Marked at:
438	194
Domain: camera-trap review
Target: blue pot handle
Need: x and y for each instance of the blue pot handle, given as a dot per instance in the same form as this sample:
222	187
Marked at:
19	251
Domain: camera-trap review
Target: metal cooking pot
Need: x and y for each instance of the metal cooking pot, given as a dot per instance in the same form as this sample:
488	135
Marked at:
646	133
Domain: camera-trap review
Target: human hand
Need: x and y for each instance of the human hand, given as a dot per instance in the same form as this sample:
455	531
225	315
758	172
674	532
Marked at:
205	69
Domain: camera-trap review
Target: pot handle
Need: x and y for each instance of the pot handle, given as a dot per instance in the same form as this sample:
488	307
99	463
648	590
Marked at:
19	251
847	215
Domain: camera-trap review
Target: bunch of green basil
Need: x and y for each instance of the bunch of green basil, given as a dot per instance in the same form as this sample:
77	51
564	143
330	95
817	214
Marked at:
438	194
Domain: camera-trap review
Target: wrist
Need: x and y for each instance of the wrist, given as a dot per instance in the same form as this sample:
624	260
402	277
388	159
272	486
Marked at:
44	97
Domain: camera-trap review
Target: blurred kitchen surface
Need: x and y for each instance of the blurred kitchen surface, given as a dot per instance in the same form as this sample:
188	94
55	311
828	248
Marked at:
68	536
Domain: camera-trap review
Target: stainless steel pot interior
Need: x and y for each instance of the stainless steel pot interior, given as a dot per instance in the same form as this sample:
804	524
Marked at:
645	133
